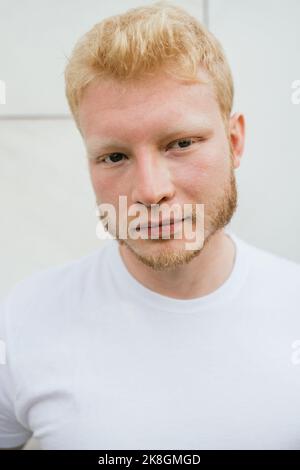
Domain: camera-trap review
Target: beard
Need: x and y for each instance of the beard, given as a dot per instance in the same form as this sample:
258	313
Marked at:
218	214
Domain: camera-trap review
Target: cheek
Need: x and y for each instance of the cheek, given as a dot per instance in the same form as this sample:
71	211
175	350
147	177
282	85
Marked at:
103	186
108	188
204	172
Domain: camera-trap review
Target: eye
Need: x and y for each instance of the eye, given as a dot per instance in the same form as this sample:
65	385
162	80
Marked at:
184	143
114	156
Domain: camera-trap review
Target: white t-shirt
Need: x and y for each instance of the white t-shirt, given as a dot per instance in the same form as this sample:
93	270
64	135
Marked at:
95	360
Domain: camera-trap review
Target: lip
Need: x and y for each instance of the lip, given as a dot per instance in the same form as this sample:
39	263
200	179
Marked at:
161	224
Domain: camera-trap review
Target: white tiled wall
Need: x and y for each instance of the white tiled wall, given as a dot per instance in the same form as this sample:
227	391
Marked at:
47	205
261	38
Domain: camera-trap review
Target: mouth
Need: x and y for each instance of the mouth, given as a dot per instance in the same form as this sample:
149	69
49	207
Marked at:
160	224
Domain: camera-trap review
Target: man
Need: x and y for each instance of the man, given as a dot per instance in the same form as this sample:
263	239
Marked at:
148	343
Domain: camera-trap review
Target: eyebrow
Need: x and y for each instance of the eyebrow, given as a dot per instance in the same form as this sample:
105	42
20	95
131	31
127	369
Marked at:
94	145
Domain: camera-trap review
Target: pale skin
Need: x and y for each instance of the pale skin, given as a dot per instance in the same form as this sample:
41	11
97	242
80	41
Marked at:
147	120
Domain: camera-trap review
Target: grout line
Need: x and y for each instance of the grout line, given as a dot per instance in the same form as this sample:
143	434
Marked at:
205	7
36	117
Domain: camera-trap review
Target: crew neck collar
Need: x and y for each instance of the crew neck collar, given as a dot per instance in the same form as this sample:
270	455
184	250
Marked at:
125	282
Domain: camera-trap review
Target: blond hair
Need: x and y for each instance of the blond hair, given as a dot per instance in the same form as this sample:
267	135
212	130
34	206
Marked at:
144	40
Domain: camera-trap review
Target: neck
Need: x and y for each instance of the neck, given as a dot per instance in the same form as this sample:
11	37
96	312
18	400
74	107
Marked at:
201	276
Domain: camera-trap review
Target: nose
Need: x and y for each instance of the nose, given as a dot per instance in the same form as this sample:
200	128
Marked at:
152	182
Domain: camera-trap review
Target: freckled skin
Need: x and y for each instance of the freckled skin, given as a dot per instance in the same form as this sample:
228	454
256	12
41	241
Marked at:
141	114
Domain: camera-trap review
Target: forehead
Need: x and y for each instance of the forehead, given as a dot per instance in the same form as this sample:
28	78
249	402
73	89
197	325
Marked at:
113	109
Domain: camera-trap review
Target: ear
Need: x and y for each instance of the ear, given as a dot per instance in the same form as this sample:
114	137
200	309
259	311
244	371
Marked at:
236	134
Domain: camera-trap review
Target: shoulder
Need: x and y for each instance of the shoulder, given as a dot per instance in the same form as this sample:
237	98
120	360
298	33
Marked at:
270	260
51	288
270	269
